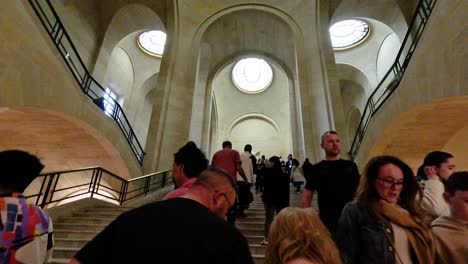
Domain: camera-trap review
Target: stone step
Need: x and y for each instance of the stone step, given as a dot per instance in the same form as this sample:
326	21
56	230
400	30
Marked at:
257	249
249	218
59	260
71	242
254	239
259	259
251	231
65	252
109	209
103	212
79	234
87	220
250	225
109	215
81	226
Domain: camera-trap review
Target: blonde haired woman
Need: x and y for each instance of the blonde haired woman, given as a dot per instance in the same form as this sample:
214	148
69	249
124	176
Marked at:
297	236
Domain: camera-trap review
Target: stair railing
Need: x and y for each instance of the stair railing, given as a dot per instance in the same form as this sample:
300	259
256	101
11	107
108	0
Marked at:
88	84
69	185
392	79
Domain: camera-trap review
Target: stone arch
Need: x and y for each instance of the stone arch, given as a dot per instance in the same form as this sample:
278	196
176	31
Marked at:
351	73
440	124
375	55
280	75
120	79
384	11
127	20
214	60
407	7
263	134
352	121
61	141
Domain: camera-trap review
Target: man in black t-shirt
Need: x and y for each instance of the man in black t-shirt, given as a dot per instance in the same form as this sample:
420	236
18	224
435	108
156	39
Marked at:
188	229
335	181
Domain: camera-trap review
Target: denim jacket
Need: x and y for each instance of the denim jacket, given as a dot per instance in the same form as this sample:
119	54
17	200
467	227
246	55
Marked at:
361	238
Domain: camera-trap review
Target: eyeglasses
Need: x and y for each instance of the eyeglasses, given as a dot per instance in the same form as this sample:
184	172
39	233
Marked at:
389	183
227	199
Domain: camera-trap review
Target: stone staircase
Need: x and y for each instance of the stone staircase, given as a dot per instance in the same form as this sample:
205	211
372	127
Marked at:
253	225
74	231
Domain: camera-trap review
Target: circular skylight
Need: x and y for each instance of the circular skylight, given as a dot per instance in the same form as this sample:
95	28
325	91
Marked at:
152	42
252	75
348	33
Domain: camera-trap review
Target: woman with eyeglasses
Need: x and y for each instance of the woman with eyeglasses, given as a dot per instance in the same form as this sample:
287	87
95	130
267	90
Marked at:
384	223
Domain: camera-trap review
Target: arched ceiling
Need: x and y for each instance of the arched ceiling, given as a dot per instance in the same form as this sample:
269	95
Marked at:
60	141
424	128
234	34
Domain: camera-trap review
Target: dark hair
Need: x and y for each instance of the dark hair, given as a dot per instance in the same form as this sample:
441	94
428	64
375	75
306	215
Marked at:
19	169
328	132
367	195
434	158
248	148
276	161
227	143
193	159
458	181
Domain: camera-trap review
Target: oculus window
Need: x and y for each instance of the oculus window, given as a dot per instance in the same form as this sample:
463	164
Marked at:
152	42
348	33
252	75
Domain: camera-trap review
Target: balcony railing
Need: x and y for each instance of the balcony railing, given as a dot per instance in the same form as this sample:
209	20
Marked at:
53	188
88	84
393	77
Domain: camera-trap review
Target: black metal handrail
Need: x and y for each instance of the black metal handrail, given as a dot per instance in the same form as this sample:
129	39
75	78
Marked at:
392	79
54	187
88	84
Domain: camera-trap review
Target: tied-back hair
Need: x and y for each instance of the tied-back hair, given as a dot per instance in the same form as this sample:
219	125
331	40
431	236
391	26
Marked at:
434	158
367	195
298	233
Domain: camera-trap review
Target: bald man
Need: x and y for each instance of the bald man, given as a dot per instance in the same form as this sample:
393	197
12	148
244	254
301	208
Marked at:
186	229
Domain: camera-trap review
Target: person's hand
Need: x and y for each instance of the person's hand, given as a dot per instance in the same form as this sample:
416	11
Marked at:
430	171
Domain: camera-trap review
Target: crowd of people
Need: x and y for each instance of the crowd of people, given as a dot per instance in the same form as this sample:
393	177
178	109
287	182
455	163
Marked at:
387	214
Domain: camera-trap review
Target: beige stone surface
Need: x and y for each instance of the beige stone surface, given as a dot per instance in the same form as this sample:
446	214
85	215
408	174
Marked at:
437	71
169	100
34	75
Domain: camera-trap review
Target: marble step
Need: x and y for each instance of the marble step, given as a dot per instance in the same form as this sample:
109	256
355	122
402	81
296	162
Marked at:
254	239
65	252
250	225
81	226
257	249
70	242
79	234
86	220
259	259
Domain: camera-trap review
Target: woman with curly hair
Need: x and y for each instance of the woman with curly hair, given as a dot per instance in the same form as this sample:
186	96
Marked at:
385	224
297	236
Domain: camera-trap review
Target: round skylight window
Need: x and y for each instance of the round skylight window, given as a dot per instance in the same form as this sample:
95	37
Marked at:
252	75
152	42
348	33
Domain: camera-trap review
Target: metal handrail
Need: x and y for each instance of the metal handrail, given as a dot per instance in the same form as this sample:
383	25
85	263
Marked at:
53	187
394	75
88	84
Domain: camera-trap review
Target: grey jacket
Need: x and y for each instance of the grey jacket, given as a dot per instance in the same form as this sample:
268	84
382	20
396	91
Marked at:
361	238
